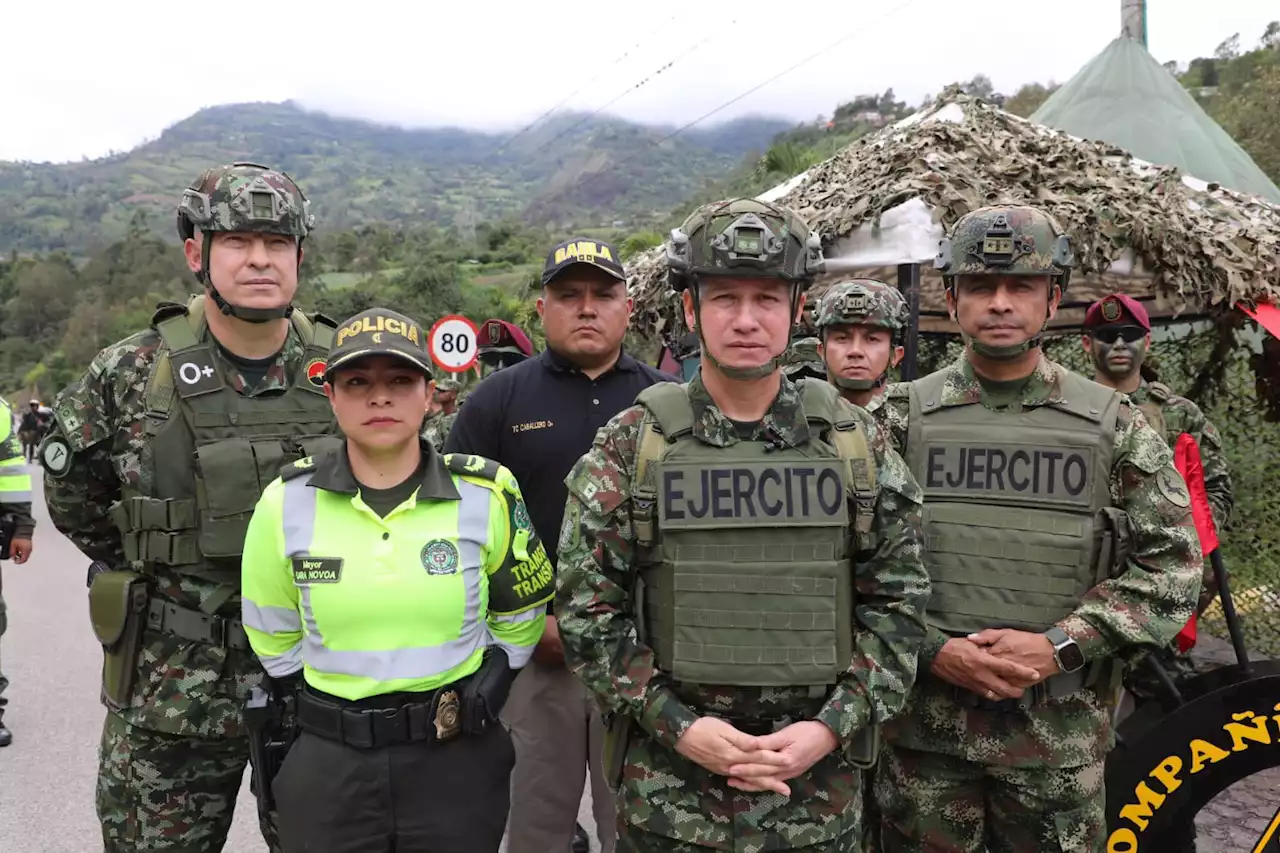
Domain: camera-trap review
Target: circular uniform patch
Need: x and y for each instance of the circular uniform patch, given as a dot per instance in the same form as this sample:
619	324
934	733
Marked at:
315	372
55	456
1173	488
1110	310
520	516
440	557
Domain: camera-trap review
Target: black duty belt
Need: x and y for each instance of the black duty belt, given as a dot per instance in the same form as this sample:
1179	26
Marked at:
1054	687
436	717
166	617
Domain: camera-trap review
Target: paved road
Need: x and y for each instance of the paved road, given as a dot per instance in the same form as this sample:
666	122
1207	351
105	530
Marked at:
47	775
50	655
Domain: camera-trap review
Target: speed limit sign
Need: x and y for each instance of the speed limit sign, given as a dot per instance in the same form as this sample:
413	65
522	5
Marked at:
452	342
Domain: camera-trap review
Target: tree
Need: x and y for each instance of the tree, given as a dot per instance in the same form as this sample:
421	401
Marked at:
1229	49
980	87
1029	98
1271	36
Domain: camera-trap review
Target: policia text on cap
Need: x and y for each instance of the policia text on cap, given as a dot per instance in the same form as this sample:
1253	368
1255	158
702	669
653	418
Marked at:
407	589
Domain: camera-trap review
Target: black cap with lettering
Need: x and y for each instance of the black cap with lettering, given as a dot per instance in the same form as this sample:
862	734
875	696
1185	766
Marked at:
581	250
379	331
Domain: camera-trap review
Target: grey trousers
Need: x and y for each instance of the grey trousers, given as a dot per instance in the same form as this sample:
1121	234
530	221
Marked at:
556	729
4	623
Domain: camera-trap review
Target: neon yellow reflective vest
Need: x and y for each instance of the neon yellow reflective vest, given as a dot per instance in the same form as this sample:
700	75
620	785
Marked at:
15	482
366	605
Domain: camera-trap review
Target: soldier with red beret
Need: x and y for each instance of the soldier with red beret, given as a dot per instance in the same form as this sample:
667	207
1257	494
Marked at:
1117	334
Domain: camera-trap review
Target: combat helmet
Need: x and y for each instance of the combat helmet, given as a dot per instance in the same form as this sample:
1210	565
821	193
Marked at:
803	360
743	238
243	197
861	302
1006	240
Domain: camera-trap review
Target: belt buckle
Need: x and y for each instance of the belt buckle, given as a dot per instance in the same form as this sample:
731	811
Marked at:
217	631
448	716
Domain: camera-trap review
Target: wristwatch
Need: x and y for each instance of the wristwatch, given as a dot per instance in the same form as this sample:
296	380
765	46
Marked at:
1065	650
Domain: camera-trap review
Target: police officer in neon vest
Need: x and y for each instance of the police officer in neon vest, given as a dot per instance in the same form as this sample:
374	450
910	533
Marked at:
406	590
741	583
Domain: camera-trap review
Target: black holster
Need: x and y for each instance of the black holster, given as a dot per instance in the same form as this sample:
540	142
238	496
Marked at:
270	714
486	692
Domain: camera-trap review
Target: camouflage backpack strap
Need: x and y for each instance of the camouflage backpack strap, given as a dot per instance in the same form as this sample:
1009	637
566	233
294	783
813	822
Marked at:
846	433
181	327
668	415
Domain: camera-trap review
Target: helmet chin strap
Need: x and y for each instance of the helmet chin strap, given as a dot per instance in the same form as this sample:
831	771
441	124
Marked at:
240	312
845	384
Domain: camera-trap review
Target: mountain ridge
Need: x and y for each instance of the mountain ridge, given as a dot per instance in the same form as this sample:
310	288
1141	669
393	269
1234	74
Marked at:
572	169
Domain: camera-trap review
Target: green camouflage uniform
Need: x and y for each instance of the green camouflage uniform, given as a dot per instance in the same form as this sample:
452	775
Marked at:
1180	415
435	429
956	775
661	792
171	764
667	803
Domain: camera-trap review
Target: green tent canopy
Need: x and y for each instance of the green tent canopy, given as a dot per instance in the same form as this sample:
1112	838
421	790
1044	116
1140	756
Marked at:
1125	98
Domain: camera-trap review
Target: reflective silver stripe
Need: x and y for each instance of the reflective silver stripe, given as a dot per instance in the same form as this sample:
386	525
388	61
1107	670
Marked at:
269	620
517	656
388	666
516	618
15	497
473	535
278	666
299	515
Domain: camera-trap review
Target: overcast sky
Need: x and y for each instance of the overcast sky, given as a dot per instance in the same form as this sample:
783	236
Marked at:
83	78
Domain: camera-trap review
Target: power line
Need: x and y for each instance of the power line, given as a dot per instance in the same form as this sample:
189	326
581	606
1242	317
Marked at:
858	32
629	90
502	145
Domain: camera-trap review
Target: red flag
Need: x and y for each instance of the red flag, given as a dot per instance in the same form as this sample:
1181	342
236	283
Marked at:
1186	458
1265	314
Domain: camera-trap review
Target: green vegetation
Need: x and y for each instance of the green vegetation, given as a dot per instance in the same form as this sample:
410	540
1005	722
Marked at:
569	172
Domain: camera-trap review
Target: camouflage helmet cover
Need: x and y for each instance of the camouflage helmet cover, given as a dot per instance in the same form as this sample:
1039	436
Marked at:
1005	240
743	237
802	358
862	302
244	197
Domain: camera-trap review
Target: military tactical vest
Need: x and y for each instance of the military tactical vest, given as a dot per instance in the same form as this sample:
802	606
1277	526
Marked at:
744	552
211	451
1014	503
1157	395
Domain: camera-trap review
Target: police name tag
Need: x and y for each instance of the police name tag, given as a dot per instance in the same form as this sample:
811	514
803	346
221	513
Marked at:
804	493
308	570
1008	472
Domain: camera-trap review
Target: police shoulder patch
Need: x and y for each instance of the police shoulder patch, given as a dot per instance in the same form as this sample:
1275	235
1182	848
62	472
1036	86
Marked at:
55	456
1173	488
440	557
296	469
469	465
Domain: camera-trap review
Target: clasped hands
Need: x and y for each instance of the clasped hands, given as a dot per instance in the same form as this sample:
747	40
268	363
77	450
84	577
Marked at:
998	663
757	762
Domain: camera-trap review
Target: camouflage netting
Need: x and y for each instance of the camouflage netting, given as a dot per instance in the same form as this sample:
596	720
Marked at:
1199	250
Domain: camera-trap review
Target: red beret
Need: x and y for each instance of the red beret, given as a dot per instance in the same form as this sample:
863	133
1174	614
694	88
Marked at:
502	336
1117	309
